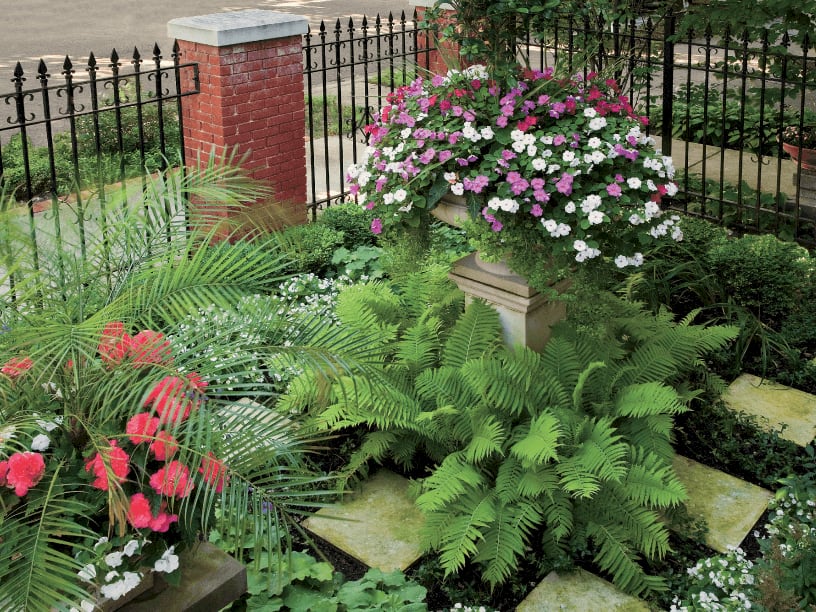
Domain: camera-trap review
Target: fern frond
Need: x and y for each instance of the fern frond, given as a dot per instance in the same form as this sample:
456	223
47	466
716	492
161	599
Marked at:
461	539
476	334
599	455
647	399
504	540
417	348
616	556
652	481
488	439
452	479
538	442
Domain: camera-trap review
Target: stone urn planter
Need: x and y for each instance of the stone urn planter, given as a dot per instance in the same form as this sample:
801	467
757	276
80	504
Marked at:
807	159
526	315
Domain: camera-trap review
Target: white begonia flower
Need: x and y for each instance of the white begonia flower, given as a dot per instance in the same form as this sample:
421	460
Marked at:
518	146
598	123
470	133
388	199
532	150
115	590
114	559
487	132
550	225
539	164
509	205
579	245
594	142
634	182
650	185
406	133
595	217
569	207
590	112
457	189
597	157
400	195
568	156
562	230
40	442
547	140
352	172
517	136
671	189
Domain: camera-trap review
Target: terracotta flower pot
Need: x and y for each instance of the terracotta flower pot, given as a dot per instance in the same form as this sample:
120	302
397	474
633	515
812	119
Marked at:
808	157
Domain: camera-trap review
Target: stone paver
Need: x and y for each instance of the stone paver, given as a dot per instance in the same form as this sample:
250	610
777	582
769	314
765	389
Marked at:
729	506
775	405
378	526
579	591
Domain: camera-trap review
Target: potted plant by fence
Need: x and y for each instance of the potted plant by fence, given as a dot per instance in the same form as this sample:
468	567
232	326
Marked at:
800	143
119	437
555	172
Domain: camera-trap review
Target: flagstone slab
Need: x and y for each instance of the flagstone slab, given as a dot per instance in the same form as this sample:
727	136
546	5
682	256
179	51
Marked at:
579	591
775	405
378	526
729	506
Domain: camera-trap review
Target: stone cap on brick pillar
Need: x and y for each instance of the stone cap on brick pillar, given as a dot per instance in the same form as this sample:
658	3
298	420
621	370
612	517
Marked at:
236	27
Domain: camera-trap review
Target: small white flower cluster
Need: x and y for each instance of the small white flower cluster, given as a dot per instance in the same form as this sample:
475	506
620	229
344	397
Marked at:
463	608
524	142
585	251
506	204
555	228
662	228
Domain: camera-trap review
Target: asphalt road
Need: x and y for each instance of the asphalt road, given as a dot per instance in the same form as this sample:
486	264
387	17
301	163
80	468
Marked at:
34	29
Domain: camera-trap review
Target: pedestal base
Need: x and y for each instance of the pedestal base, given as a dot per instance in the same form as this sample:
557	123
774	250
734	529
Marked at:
525	314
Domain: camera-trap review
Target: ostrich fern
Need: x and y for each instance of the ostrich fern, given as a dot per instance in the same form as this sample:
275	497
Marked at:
560	450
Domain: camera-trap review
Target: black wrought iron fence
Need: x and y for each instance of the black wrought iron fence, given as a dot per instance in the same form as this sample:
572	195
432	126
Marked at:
67	143
349	69
718	103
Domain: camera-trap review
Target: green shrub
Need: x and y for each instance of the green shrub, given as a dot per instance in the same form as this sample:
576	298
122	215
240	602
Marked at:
353	220
311	247
762	273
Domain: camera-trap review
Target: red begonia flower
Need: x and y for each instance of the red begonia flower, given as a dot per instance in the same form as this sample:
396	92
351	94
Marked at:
139	514
169	399
113	344
118	461
24	471
162	521
148	347
172	480
141	427
214	471
16	366
164	446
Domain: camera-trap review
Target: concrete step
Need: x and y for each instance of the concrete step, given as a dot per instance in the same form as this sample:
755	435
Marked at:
776	407
579	591
378	526
729	506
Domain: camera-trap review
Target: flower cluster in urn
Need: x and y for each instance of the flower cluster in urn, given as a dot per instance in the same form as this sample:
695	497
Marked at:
549	167
128	483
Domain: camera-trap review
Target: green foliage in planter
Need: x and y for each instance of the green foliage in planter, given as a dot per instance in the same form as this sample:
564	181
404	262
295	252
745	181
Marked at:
573	443
300	582
364	261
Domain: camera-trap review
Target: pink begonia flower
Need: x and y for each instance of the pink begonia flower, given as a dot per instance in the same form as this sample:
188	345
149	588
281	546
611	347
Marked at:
172	480
376	226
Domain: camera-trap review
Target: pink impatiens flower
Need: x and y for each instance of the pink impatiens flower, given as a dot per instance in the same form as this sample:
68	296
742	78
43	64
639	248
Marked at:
16	367
376	226
141	427
214	471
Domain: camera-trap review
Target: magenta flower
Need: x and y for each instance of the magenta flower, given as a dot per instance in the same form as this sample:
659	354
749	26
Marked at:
376	226
536	210
614	190
564	184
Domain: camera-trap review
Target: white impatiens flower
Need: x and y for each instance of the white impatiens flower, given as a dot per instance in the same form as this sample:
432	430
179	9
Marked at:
598	123
568	156
400	195
634	182
590	112
114	559
487	132
579	245
457	189
539	164
594	142
87	573
569	207
550	225
621	261
595	217
406	133
115	590
450	177
131	548
40	442
168	562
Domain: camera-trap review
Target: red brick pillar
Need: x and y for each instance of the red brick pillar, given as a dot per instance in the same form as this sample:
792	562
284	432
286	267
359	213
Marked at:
250	71
442	55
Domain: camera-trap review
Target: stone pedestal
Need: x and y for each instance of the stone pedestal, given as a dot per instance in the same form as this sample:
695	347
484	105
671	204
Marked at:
525	314
807	192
